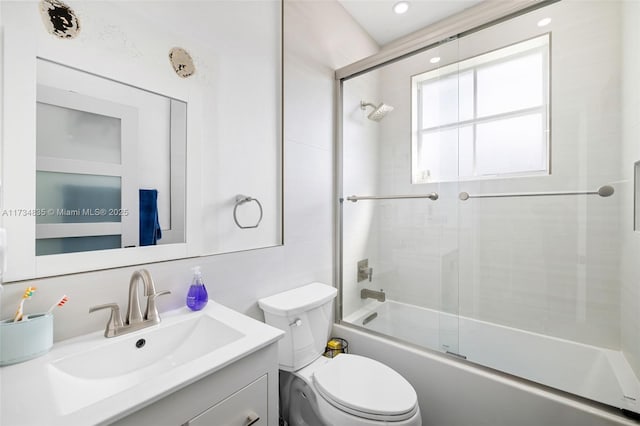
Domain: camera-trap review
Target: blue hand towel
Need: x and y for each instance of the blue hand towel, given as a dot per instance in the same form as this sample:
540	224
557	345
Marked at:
150	231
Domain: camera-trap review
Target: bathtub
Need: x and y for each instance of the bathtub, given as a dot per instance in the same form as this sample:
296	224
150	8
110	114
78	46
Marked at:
600	374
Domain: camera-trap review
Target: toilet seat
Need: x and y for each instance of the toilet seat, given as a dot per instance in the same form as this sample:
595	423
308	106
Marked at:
365	388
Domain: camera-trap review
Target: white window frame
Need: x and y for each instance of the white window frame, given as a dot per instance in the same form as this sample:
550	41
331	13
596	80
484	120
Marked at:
539	44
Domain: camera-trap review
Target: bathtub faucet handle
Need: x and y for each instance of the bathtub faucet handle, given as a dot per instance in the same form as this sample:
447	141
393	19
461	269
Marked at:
364	271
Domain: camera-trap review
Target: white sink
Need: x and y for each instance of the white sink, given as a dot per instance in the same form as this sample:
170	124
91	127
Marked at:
92	379
119	364
161	347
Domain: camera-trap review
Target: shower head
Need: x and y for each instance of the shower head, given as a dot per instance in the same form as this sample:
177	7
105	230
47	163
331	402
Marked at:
379	111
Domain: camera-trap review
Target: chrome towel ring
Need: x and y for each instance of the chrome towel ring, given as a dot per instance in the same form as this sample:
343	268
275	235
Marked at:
240	200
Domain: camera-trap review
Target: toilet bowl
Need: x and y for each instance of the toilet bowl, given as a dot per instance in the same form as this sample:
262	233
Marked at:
348	390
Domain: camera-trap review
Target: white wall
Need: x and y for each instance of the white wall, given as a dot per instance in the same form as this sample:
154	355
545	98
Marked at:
630	293
241	139
360	132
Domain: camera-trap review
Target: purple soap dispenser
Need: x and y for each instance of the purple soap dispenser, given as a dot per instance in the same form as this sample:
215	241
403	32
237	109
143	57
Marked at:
197	297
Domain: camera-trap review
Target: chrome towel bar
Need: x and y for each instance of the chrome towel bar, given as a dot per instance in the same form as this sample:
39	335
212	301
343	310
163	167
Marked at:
433	196
603	191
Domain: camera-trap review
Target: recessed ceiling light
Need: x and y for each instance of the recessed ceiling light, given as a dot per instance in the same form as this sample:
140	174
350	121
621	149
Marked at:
401	7
435	59
544	22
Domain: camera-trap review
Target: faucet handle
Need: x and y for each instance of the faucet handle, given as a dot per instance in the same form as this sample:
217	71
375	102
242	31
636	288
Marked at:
115	320
151	313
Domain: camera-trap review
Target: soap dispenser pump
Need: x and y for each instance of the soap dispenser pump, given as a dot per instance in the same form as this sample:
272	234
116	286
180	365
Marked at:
197	297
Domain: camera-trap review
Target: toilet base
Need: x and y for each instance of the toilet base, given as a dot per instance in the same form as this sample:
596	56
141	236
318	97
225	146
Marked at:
298	402
301	405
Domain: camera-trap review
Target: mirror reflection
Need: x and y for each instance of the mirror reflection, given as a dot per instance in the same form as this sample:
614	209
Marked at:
106	177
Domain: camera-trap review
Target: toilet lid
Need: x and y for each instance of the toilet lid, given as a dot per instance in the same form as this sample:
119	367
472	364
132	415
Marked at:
366	388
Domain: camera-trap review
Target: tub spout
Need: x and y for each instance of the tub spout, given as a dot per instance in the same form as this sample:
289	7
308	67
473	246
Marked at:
380	296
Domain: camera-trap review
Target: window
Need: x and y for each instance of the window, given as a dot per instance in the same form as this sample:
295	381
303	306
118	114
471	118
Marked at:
485	116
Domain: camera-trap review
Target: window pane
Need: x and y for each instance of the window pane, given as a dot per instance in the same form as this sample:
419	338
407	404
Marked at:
76	244
439	155
511	145
447	100
486	97
465	96
77	198
510	86
440	102
69	133
466	151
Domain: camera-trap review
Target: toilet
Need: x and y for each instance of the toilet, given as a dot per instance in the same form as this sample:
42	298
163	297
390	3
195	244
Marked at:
348	390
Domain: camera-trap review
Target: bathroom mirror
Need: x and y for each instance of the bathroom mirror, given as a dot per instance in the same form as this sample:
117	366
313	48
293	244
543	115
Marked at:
115	155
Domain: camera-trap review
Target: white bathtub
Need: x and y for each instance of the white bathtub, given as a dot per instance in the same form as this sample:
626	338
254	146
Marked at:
599	374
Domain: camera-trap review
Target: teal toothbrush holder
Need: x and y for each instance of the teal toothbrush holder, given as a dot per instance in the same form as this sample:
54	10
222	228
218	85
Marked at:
23	340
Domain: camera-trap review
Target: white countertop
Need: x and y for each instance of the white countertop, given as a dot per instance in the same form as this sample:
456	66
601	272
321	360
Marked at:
28	395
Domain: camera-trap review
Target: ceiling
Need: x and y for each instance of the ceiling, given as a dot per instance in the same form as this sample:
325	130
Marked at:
378	19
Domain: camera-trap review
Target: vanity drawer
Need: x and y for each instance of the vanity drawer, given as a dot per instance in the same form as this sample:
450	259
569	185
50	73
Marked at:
246	407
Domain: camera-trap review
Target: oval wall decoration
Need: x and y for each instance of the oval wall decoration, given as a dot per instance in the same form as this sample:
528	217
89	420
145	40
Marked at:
181	62
59	19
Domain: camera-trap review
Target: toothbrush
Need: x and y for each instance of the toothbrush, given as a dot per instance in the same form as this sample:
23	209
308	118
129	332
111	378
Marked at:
64	299
27	295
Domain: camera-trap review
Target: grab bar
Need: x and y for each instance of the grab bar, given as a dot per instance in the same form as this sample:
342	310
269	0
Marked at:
603	191
433	196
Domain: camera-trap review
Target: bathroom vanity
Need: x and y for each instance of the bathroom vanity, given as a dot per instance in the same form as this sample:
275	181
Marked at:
191	368
236	395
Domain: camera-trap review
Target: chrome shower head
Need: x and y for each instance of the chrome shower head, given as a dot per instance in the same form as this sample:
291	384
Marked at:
379	111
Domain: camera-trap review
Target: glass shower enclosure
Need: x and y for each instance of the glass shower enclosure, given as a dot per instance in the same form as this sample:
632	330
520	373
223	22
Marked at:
488	198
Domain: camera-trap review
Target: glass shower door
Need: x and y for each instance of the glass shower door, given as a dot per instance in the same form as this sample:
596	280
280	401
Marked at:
399	254
546	290
526	262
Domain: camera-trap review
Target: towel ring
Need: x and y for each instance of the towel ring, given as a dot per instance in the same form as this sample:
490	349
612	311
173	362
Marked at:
240	200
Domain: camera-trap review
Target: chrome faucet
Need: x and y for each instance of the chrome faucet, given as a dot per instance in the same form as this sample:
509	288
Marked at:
380	296
134	319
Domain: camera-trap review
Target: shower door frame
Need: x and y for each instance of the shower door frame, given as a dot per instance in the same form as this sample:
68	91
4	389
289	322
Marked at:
466	22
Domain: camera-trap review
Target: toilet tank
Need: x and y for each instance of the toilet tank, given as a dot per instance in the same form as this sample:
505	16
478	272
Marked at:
305	315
